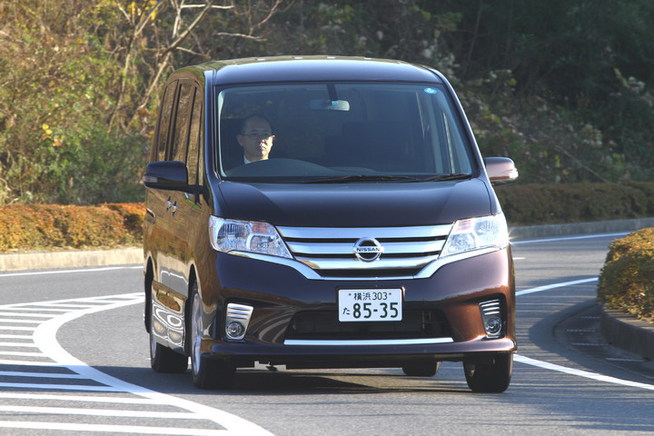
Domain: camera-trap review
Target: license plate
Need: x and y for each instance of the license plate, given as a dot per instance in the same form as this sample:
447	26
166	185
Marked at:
369	305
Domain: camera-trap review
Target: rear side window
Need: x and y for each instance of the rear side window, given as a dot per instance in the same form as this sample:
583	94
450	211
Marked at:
178	145
195	137
164	121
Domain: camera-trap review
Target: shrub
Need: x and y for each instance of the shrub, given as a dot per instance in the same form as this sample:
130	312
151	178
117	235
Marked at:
133	214
33	227
532	204
627	279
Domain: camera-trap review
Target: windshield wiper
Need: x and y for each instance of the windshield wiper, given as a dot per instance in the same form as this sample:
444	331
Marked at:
443	177
365	178
388	178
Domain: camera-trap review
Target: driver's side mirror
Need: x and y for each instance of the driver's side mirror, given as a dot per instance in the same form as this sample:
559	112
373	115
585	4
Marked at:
167	175
500	170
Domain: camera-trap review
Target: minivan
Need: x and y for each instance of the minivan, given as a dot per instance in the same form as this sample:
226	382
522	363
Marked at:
324	212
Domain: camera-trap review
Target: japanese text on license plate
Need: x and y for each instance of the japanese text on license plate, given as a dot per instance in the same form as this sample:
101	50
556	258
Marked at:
369	305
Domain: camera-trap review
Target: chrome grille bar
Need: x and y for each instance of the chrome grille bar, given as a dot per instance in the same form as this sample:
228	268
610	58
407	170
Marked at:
404	249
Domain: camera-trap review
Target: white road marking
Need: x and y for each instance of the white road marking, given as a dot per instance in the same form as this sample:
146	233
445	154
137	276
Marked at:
88	428
88	380
67	271
559	368
554	286
569	238
581	373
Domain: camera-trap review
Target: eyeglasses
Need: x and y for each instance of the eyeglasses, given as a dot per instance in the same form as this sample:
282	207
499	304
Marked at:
257	135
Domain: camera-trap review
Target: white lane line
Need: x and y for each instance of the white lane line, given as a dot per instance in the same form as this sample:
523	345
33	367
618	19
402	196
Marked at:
80	398
21	353
581	373
89	428
569	238
572	371
19	321
554	286
45	338
99	412
66	387
68	271
25	314
17	344
39	374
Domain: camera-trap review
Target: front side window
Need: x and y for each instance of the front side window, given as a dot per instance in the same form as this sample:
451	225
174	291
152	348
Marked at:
331	132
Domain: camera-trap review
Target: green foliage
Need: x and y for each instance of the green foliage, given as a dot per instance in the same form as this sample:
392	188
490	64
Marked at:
55	144
562	87
533	204
627	279
592	58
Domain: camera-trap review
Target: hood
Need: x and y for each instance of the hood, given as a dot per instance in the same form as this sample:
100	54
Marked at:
382	204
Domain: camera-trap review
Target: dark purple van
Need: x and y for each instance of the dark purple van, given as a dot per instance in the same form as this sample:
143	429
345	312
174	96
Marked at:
324	212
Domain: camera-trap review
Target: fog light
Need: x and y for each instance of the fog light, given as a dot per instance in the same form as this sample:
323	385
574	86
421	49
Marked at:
237	318
235	330
491	316
493	326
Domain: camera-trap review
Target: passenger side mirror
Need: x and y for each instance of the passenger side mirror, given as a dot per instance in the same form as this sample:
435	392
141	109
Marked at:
167	175
500	170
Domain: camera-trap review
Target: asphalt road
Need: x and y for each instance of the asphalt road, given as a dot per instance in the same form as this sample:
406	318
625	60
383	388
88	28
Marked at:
74	357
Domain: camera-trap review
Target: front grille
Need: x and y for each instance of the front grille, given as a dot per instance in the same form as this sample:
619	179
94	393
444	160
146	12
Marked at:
331	251
325	325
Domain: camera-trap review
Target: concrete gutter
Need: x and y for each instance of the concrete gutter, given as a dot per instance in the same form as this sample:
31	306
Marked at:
618	329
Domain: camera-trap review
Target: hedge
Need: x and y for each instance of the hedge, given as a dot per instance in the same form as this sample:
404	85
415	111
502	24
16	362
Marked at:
627	278
47	226
34	227
532	204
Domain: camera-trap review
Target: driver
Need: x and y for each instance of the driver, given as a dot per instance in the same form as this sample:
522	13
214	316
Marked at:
256	138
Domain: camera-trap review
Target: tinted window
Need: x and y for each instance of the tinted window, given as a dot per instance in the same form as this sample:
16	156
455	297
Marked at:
164	120
182	122
324	130
195	136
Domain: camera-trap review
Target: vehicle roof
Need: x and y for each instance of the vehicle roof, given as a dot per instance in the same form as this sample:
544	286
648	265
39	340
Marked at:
312	68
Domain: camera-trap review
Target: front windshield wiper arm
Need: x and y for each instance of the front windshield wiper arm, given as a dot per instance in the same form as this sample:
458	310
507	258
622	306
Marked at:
443	177
365	178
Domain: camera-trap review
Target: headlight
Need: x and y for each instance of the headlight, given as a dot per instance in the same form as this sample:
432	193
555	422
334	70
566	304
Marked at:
477	234
248	236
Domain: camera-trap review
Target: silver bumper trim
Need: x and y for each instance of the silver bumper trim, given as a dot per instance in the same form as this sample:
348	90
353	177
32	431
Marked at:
360	342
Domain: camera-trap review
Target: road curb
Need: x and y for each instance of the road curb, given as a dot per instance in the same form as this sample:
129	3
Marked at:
70	259
625	332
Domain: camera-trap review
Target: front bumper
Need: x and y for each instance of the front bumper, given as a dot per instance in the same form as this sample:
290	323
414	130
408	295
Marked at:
295	320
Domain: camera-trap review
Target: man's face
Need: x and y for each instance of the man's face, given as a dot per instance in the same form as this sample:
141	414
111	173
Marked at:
256	139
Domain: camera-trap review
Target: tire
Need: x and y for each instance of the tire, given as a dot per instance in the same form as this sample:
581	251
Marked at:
207	373
422	368
162	358
490	377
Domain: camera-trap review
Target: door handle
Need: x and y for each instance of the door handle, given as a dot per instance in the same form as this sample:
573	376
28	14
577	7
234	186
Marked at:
171	207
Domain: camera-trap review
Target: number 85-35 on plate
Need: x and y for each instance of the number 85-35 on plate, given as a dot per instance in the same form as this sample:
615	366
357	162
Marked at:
369	305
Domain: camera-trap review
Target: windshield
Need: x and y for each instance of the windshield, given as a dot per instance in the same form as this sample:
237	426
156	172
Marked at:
337	132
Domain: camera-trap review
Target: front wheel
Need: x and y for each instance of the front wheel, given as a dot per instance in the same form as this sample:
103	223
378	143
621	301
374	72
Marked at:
207	373
490	377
